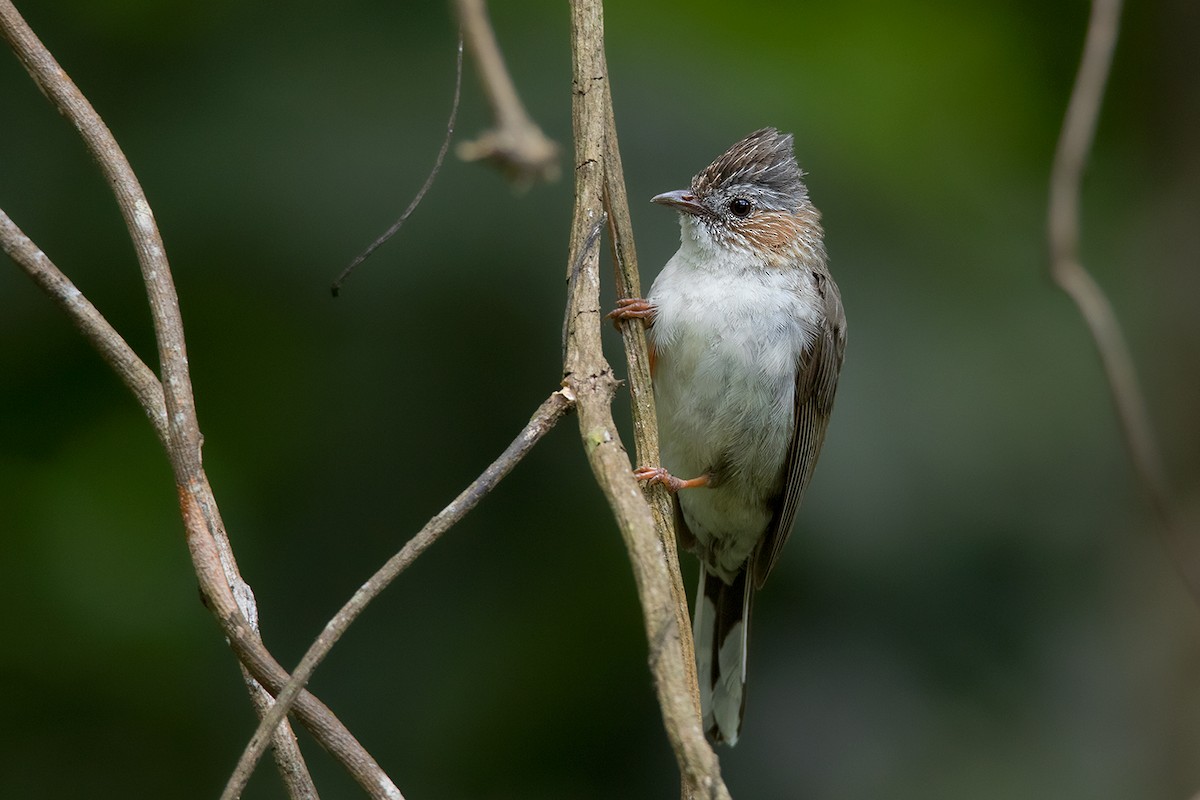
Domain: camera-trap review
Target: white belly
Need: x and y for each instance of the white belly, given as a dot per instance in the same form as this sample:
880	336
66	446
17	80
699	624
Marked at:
727	346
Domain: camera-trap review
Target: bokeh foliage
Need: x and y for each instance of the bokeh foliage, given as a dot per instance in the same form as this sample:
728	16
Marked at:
972	604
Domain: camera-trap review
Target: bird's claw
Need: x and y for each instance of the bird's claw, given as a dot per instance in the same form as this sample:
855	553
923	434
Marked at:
653	475
633	308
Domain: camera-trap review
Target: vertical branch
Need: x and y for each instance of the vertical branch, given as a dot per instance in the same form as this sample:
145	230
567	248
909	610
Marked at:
590	378
1067	270
637	359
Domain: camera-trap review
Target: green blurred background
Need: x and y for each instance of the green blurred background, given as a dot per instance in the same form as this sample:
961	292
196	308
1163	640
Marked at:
973	604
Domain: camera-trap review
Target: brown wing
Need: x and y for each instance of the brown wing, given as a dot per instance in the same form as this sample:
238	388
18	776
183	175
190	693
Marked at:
816	383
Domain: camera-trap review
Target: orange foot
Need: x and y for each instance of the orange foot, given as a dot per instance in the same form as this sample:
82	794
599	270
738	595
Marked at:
653	475
633	308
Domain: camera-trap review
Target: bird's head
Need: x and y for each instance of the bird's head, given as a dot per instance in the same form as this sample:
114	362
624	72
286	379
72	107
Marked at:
751	202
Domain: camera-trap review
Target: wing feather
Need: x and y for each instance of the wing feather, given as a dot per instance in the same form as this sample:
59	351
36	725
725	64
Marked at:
816	385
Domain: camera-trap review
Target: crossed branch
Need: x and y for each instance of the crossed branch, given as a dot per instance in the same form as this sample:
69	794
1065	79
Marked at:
588	388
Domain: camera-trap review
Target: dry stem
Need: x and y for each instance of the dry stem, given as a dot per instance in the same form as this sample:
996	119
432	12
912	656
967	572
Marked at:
587	372
174	416
416	201
515	143
637	359
1067	270
543	420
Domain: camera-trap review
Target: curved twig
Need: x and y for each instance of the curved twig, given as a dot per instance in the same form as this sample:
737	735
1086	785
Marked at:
228	597
1067	270
543	420
132	371
437	166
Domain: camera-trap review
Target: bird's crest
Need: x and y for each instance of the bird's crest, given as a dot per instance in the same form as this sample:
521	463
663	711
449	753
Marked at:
763	159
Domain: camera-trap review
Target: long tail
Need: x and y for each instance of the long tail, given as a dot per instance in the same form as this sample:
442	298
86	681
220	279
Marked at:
721	627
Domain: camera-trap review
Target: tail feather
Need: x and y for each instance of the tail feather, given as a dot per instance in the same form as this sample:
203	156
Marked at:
721	628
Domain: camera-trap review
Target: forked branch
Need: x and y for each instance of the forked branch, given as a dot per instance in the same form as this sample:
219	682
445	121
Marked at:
514	143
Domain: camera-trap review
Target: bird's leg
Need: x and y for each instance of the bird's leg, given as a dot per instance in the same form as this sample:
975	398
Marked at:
654	475
633	308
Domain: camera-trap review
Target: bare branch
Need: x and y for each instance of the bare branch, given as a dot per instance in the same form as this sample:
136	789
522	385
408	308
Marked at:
589	375
637	357
515	144
543	420
289	761
241	630
139	378
183	434
588	383
145	386
437	166
1067	270
227	595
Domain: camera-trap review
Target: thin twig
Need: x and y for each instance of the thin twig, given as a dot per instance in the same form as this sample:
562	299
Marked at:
437	166
228	596
137	377
1067	270
587	372
184	435
143	383
515	143
543	420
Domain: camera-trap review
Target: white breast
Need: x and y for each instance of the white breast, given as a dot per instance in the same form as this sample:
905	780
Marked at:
728	337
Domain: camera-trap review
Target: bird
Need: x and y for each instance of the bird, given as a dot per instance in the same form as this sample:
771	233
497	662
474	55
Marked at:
746	336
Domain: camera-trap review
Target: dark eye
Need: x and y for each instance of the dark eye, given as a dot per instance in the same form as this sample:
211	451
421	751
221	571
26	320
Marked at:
739	206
